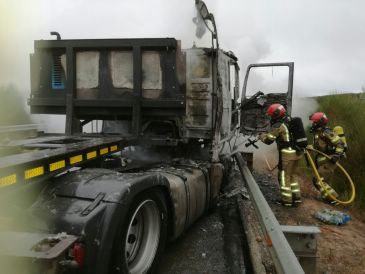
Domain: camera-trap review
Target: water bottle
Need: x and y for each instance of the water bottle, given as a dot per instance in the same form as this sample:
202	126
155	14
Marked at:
330	216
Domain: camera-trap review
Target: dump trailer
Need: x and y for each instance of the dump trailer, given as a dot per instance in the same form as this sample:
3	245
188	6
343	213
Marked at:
108	200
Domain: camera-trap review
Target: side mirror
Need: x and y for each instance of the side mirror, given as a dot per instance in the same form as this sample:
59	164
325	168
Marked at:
203	10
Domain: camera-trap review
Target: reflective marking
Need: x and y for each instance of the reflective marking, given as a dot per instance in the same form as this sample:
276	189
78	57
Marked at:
271	137
104	150
286	136
75	159
57	165
114	148
335	140
285	188
91	155
34	172
289	150
282	179
8	180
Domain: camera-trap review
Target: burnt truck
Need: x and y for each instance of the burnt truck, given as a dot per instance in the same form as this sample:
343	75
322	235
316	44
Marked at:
94	202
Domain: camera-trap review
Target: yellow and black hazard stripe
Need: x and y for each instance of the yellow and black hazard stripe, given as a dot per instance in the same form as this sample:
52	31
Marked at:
26	173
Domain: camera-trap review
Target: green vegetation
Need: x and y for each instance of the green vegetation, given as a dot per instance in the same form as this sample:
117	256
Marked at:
12	108
347	110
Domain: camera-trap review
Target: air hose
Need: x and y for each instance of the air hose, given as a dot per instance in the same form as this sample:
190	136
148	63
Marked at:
319	179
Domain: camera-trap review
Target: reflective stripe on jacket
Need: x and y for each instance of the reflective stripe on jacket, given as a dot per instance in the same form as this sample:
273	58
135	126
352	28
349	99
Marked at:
279	132
327	141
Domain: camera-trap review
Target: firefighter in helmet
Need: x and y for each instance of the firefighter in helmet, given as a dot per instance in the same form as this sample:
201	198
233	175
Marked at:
288	157
328	142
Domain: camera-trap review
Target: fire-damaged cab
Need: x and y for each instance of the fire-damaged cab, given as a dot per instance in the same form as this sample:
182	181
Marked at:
114	214
255	102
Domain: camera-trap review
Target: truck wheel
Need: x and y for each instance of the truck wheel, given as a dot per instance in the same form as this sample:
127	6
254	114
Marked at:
142	236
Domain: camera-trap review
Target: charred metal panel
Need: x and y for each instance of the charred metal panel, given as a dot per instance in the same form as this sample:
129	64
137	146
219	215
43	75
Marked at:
224	68
253	109
181	66
189	194
198	92
179	200
126	79
116	187
196	187
253	113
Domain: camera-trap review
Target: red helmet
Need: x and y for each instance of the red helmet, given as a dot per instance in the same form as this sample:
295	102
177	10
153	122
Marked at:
319	119
276	111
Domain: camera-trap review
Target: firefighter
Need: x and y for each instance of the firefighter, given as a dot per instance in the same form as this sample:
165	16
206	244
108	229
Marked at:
288	156
328	142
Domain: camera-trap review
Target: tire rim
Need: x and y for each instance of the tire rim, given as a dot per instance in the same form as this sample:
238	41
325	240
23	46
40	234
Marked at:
143	237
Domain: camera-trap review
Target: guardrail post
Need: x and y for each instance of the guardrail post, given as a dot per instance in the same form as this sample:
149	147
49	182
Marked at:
303	241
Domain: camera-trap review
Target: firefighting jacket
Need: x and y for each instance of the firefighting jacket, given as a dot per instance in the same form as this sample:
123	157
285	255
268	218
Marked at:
327	141
279	132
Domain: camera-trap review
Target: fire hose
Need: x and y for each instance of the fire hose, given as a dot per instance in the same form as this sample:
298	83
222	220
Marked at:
320	180
316	173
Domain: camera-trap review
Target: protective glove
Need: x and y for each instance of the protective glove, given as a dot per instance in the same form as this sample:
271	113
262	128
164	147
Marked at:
261	136
335	158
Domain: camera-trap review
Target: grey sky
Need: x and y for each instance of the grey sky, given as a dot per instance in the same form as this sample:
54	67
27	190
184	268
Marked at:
325	39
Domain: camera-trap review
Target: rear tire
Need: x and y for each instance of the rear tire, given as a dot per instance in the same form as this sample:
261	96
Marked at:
142	235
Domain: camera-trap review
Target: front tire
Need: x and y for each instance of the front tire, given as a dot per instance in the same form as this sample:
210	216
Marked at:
142	235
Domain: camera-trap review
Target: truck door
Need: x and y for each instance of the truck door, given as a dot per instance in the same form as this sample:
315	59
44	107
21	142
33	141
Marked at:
265	84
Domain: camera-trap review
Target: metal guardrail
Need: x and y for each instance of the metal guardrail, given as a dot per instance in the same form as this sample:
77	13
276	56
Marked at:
8	133
8	129
281	252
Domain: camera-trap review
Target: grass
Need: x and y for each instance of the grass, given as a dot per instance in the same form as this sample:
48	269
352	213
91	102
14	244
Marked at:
347	110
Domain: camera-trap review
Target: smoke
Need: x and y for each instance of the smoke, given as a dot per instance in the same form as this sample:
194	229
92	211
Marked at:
50	123
265	158
303	107
254	31
19	20
12	111
200	26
